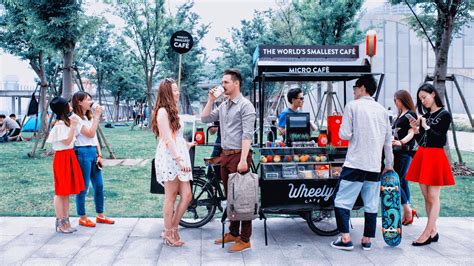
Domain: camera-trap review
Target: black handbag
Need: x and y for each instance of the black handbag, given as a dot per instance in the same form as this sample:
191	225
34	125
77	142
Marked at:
155	186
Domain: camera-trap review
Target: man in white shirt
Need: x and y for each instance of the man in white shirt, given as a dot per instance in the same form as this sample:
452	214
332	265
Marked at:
366	125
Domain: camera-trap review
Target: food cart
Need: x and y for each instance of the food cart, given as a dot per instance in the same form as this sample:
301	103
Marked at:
301	179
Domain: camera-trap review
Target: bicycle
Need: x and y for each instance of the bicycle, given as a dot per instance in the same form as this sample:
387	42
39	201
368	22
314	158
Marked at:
207	195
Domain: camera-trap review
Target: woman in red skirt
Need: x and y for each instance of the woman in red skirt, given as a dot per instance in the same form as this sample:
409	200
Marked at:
67	172
430	167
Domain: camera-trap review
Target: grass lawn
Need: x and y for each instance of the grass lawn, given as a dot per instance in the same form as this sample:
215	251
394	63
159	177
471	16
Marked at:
26	185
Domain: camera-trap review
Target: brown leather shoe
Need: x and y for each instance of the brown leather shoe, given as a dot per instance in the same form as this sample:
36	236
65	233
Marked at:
227	238
239	245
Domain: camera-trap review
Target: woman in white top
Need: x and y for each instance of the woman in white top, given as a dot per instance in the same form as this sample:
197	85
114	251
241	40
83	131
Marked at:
88	153
67	172
172	161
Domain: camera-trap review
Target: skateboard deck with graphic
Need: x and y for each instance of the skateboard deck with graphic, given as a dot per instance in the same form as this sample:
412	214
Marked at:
391	208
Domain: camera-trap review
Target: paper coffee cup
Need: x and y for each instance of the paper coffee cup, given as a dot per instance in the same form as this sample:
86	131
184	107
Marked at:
218	92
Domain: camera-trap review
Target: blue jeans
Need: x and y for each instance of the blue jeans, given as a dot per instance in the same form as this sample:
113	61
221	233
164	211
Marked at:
401	163
87	157
351	183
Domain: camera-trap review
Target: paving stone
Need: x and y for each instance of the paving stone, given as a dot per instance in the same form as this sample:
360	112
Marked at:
11	255
5	240
146	162
32	241
124	222
46	261
148	227
131	162
109	237
135	261
112	162
139	247
96	255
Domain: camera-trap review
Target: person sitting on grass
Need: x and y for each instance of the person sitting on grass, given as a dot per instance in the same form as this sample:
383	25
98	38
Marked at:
11	126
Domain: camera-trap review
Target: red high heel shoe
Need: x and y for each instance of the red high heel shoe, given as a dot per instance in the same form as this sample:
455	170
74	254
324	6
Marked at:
413	214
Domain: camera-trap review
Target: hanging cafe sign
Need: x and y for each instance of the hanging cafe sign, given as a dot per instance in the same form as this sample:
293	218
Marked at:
347	52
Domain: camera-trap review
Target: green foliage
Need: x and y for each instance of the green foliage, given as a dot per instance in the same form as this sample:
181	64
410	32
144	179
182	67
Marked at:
61	23
435	16
111	65
193	61
145	23
238	52
330	22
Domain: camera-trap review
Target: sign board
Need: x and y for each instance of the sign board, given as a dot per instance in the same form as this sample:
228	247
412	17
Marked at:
297	191
181	41
347	52
314	68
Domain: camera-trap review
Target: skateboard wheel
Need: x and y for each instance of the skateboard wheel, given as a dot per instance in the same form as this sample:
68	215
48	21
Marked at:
396	188
381	188
399	230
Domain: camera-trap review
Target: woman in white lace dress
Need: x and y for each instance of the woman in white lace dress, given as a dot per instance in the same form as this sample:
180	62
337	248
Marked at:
172	161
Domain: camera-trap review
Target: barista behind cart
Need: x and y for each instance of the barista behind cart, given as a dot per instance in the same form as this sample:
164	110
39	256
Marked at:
296	99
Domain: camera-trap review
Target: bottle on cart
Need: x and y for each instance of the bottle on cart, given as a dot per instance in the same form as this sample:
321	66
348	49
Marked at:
199	136
323	138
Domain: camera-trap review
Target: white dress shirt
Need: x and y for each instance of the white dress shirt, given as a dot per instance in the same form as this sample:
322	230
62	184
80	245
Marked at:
367	127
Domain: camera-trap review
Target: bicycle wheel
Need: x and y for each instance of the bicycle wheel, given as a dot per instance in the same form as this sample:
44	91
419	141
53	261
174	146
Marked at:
322	222
202	207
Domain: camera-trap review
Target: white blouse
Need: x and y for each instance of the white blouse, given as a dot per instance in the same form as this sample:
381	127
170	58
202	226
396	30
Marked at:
59	133
82	140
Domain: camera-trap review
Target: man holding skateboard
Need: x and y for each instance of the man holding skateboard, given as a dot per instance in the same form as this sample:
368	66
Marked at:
366	125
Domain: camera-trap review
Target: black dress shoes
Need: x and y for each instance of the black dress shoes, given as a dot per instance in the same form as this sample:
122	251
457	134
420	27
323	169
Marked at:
427	242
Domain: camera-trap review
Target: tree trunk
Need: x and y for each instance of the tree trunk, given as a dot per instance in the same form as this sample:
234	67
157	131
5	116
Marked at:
117	107
441	66
128	109
40	72
67	73
441	52
149	85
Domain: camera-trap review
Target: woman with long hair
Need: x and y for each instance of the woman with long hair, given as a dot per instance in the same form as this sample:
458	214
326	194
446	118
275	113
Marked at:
172	160
89	154
403	145
430	166
66	170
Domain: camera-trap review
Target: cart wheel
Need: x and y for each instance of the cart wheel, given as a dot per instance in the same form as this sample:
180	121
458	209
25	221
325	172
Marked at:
202	207
323	222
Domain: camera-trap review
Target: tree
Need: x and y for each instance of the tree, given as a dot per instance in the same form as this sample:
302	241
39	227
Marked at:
193	61
330	22
98	51
440	22
60	24
18	36
285	25
145	23
238	53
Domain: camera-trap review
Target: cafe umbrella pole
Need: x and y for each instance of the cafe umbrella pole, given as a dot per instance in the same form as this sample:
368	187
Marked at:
179	70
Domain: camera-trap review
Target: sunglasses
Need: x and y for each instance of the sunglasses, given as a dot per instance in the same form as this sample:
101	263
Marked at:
301	98
170	80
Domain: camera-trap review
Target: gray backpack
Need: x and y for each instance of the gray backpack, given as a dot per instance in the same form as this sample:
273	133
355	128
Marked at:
242	197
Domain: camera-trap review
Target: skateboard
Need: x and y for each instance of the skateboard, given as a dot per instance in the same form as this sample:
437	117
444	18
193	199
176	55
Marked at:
391	208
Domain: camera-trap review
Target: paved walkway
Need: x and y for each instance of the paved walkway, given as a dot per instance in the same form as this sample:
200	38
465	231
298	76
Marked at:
32	241
465	140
